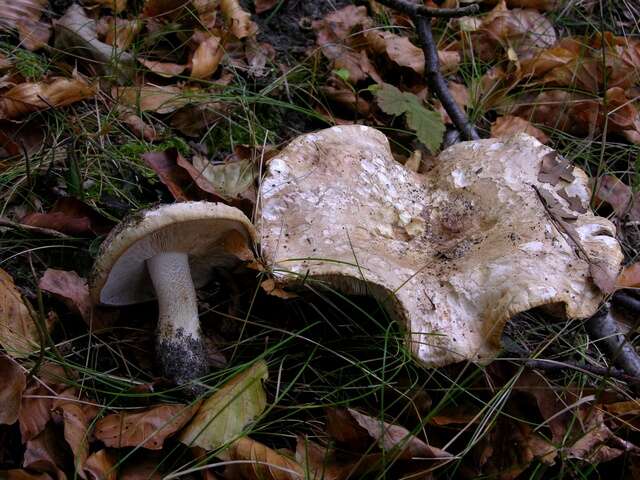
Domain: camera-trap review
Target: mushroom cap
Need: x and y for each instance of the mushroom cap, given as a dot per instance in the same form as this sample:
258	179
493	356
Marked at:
452	254
120	275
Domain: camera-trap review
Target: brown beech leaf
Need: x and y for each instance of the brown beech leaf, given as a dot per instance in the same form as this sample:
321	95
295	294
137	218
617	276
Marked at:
12	384
116	6
151	98
46	453
629	276
118	32
18	330
265	5
346	98
72	289
321	463
207	56
615	193
509	125
19	474
34	35
238	19
266	464
164	69
181	178
25	16
138	126
33	96
233	180
101	465
36	405
71	216
141	469
258	55
391	437
398	49
148	429
76	419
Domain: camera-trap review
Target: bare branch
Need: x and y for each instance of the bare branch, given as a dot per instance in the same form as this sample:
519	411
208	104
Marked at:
413	10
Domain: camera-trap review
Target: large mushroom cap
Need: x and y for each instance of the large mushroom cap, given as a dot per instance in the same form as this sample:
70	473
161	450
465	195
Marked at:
120	276
452	254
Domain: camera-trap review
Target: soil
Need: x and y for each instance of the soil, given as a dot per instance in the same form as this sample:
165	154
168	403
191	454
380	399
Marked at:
288	28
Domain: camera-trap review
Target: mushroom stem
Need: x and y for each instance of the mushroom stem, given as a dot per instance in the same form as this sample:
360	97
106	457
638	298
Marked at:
180	347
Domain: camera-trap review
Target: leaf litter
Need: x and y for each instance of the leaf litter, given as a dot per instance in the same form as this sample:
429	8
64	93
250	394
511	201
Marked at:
543	80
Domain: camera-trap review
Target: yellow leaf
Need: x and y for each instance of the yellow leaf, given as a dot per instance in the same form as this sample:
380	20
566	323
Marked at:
223	416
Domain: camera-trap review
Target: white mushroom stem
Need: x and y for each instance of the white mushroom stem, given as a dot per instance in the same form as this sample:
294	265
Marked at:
180	347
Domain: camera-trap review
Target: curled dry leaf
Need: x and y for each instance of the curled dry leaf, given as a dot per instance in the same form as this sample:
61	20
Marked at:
18	474
33	96
116	6
25	16
264	463
164	69
12	384
509	125
138	126
230	180
389	437
72	289
150	98
223	416
148	429
118	32
101	465
629	276
71	216
46	453
206	58
207	12
18	330
76	32
76	420
238	19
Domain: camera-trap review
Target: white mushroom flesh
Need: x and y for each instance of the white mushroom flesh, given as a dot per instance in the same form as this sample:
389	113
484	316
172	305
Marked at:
455	252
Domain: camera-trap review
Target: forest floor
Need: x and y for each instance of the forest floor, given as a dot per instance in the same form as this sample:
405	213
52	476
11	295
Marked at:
108	107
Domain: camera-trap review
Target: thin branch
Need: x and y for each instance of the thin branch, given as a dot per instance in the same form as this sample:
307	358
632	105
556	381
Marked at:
421	16
552	365
413	10
438	84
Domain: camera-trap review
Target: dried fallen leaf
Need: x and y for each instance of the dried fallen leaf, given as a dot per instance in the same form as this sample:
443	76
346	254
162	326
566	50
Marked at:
118	32
174	171
389	437
71	216
509	125
164	69
629	276
101	466
231	180
264	463
272	288
224	416
141	469
18	330
151	98
25	16
239	20
615	193
206	57
265	5
34	35
12	384
33	96
46	453
72	289
116	6
148	429
18	474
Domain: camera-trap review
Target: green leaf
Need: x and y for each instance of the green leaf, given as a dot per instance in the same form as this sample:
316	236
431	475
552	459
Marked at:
343	73
224	416
427	124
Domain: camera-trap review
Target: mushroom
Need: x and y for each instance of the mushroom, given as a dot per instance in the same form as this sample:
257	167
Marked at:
165	253
497	227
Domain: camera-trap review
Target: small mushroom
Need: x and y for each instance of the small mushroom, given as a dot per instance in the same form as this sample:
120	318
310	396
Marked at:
452	254
165	253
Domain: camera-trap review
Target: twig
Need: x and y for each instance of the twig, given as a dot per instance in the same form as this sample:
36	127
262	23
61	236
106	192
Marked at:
413	10
421	16
602	327
547	364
